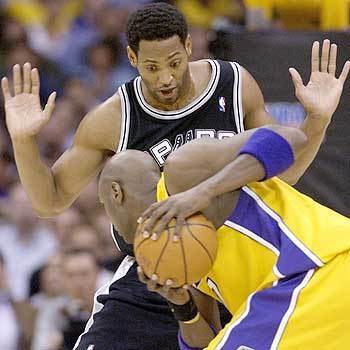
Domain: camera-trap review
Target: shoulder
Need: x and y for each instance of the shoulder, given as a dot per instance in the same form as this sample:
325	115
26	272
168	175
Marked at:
100	128
200	67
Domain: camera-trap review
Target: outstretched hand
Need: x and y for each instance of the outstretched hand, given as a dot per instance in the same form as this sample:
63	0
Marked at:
320	97
24	115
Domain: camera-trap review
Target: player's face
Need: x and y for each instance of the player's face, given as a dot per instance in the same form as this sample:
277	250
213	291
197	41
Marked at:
163	66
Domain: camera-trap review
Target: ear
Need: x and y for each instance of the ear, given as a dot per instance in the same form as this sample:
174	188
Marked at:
117	193
132	56
188	45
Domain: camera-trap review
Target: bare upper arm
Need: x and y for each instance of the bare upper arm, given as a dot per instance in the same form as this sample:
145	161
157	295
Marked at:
96	139
255	114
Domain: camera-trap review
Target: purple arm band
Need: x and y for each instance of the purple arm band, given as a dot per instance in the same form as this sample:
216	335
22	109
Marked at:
273	152
184	346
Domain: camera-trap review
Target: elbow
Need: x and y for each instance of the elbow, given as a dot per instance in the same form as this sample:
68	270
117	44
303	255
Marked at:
294	136
47	212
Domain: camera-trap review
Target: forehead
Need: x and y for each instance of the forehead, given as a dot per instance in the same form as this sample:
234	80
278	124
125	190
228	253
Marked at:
158	50
78	262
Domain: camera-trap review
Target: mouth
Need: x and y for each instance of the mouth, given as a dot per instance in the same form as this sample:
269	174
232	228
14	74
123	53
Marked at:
168	92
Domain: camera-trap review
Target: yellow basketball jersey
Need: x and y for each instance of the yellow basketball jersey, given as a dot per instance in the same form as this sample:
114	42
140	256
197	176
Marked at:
273	232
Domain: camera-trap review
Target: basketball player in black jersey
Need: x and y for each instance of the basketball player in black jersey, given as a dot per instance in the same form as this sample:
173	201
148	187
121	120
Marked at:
172	101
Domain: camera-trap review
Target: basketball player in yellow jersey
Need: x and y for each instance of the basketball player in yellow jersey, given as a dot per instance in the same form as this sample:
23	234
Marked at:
282	264
281	255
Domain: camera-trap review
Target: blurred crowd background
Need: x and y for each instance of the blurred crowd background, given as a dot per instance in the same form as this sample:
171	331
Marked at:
50	269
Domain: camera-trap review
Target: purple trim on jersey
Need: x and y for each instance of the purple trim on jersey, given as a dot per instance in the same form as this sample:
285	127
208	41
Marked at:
257	330
251	216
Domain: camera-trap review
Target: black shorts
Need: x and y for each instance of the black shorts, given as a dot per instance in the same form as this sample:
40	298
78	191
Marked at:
129	317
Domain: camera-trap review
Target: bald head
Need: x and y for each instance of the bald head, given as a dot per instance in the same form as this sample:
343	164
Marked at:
130	167
127	187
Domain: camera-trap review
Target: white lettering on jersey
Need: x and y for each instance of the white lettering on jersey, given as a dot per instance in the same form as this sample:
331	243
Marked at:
225	134
161	150
204	133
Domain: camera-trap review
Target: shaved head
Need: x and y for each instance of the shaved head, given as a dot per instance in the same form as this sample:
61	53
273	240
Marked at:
127	187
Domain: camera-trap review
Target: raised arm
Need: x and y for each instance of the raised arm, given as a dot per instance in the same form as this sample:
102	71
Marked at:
320	98
51	190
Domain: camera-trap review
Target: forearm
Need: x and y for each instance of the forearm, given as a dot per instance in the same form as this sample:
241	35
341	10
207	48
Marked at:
243	170
315	132
35	176
198	334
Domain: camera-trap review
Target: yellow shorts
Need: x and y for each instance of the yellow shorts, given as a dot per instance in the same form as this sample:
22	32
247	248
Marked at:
308	311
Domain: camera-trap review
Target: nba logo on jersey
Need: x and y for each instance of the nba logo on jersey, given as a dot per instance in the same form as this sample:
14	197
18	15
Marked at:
222	104
91	347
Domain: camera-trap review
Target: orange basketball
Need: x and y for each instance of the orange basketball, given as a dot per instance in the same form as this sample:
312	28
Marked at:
185	261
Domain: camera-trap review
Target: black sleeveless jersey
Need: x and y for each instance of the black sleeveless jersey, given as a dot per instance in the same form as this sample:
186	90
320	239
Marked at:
217	112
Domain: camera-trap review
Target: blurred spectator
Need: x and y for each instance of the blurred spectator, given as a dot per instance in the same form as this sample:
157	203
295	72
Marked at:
47	21
48	302
80	273
112	257
64	224
57	135
50	282
88	202
67	320
204	13
79	92
6	166
51	77
104	74
16	319
200	47
12	33
86	238
23	239
298	14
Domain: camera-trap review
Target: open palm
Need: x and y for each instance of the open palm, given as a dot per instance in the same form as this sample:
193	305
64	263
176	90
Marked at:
24	115
320	97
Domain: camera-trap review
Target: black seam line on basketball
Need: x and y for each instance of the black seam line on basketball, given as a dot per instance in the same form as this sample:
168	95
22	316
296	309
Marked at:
198	241
195	223
139	245
184	258
161	253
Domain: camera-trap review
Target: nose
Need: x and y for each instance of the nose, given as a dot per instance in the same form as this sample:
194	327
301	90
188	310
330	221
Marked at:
165	77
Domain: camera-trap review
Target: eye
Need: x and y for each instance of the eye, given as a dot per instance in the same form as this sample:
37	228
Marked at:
175	64
151	68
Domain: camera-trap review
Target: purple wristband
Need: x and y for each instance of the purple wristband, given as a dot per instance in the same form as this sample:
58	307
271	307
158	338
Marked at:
273	151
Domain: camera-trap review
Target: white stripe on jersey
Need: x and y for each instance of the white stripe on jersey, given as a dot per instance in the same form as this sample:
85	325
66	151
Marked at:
237	96
125	119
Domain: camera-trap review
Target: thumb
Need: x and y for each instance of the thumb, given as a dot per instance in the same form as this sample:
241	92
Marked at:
50	105
297	81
